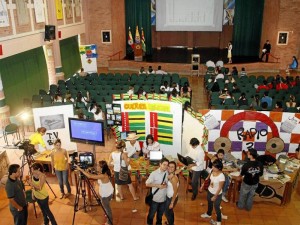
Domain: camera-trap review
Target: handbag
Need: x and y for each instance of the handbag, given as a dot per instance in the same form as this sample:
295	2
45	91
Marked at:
149	195
124	173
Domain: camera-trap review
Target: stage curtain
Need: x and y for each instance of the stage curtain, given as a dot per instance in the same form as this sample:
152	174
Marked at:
138	13
22	76
247	27
70	57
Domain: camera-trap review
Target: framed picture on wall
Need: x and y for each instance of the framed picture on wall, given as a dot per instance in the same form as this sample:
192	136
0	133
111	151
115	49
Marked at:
106	36
283	37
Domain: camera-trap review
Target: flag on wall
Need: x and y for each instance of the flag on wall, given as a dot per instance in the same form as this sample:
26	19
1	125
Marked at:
143	41
134	121
137	35
59	10
130	39
161	127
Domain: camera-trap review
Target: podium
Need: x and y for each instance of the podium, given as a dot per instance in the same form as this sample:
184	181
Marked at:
138	53
195	64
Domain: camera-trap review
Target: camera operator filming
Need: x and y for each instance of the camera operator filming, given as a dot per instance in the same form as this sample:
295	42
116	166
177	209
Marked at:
106	189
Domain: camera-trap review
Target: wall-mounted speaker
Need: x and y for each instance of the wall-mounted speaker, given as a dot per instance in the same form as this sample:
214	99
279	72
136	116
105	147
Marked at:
49	32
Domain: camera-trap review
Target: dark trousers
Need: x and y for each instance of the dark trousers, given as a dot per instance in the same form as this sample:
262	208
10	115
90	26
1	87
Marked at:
267	56
20	217
169	213
195	181
216	203
159	209
47	214
106	205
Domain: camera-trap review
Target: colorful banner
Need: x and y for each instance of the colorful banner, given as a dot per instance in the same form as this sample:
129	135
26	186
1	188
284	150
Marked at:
161	127
147	106
88	55
4	19
59	9
134	121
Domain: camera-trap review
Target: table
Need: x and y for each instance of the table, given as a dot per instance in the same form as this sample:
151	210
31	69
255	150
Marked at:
44	158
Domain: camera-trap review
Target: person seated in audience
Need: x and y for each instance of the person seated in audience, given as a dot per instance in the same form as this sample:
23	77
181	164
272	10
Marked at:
215	87
242	100
160	71
140	91
98	114
131	90
82	73
185	91
280	85
220	156
272	84
267	99
235	89
150	70
226	95
142	70
58	98
243	72
294	64
174	93
210	63
234	71
152	90
150	145
291	103
264	106
297	80
219	76
68	98
165	87
220	63
174	86
79	99
278	107
93	107
263	86
290	81
255	101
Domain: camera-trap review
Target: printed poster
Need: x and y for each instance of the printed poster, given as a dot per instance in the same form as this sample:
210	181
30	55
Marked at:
4	20
39	11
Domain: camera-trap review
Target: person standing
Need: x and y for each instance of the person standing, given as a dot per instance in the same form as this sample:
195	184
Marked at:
158	181
266	51
133	147
214	193
251	171
120	158
229	52
197	154
172	193
15	193
106	189
60	166
36	138
150	145
40	192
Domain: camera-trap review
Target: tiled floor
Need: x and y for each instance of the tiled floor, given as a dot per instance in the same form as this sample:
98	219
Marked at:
187	212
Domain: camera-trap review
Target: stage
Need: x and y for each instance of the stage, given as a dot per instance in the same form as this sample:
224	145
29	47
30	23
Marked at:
178	60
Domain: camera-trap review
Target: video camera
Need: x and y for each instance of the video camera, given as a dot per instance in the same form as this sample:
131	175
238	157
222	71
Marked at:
27	147
85	160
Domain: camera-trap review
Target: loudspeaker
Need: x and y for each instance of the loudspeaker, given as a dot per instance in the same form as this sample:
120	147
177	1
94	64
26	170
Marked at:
49	32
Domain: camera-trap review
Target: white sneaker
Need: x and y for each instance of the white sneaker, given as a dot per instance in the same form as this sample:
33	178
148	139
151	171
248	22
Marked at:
218	223
205	215
224	217
212	222
224	199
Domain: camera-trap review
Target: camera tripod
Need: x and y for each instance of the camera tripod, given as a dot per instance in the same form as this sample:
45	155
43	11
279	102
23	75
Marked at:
27	159
81	188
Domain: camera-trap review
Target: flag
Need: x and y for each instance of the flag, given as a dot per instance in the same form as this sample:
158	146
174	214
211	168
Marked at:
130	40
143	41
137	35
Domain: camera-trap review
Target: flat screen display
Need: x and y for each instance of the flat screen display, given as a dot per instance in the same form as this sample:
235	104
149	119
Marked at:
87	131
155	155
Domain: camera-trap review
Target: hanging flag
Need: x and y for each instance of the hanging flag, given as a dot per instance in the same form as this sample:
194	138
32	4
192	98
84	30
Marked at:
137	35
143	41
130	40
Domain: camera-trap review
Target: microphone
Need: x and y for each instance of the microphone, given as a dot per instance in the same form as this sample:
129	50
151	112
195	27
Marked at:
16	144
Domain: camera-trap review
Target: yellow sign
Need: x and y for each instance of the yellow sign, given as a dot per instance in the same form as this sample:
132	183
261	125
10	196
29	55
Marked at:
59	9
148	106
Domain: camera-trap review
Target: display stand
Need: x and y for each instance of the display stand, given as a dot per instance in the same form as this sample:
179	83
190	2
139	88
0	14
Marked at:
138	53
195	64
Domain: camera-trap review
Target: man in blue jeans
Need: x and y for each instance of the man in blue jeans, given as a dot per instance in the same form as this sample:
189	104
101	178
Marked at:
251	171
158	180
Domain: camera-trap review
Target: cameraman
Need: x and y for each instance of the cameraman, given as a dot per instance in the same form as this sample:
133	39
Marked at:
106	189
37	138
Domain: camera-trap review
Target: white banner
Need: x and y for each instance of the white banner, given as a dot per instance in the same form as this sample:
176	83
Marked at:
88	55
55	120
4	20
39	11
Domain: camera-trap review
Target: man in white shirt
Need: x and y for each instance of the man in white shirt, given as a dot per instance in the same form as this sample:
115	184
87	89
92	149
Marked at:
160	71
133	147
158	180
210	64
197	154
220	63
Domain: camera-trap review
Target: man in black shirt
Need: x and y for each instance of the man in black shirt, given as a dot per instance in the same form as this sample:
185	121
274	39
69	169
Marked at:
266	51
251	171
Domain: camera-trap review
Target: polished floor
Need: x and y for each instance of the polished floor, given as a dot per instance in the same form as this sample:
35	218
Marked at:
187	212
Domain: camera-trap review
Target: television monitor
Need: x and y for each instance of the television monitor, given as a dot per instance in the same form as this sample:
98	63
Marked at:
87	131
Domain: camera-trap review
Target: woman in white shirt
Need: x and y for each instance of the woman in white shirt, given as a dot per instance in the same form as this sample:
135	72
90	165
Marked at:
98	114
106	189
119	158
172	193
214	193
150	145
